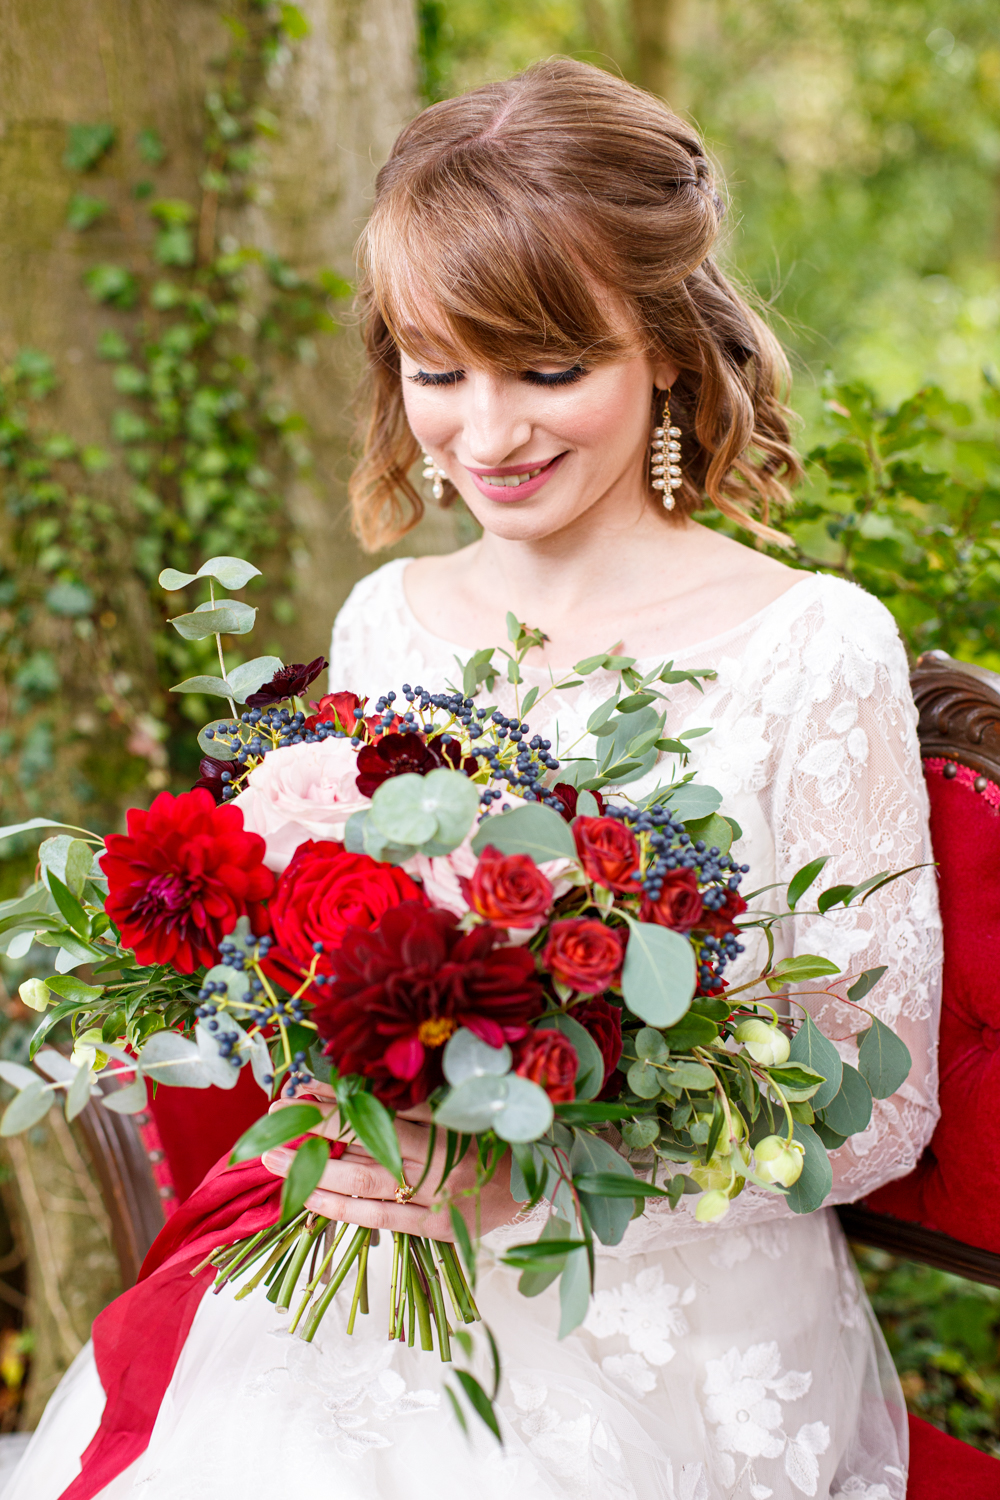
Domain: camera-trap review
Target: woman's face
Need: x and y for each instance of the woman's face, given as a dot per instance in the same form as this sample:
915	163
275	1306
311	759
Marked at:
532	452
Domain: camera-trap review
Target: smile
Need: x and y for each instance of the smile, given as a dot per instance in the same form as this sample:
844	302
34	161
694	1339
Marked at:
514	484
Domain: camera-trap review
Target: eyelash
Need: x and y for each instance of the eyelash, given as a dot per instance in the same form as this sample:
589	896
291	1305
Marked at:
533	377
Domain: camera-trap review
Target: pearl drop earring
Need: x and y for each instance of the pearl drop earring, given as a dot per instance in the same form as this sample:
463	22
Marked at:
666	456
435	475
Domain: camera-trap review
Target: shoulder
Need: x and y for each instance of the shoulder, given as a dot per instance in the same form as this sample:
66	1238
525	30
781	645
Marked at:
836	615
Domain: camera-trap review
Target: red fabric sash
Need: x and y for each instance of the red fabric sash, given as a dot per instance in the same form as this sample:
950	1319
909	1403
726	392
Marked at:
139	1337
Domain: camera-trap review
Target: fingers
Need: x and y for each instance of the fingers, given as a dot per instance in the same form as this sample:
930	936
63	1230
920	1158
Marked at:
403	1218
351	1176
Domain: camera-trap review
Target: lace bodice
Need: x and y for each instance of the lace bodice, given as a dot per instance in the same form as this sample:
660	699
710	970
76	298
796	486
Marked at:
813	746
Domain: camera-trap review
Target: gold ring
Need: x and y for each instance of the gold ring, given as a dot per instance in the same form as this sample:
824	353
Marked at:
404	1192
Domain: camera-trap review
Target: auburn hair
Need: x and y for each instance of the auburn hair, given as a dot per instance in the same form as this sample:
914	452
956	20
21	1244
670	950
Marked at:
513	212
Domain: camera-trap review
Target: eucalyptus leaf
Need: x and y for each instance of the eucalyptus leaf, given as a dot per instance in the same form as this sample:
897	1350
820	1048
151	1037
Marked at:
883	1059
692	800
439	808
12	828
219	1069
527	1111
260	1062
658	976
129	1100
227	618
237	982
645	1080
609	1217
172	1059
54	1065
865	983
78	1096
574	1292
467	1056
213	747
231	572
18	1076
814	1050
716	831
590	1072
68	858
850	1110
691	1075
30	1106
534	829
251	676
650	1045
215	687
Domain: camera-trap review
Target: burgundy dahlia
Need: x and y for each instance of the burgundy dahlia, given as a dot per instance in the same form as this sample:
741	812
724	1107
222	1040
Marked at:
407	754
289	682
180	878
403	987
569	796
210	779
604	1022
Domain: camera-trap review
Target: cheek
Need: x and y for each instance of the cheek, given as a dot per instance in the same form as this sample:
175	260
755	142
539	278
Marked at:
431	422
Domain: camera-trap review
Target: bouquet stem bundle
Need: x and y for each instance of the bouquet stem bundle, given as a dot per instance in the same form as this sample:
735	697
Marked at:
421	1271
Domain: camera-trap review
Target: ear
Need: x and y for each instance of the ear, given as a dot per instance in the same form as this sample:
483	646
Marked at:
664	375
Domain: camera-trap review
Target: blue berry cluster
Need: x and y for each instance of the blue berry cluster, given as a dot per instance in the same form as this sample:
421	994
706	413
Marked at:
270	729
672	848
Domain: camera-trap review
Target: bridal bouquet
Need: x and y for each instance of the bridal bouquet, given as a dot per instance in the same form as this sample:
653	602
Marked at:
422	903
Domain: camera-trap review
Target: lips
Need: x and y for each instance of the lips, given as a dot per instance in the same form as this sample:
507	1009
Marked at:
512	483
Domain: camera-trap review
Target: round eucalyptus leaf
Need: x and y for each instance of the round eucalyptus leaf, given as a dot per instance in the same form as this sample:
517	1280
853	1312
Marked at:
473	1106
454	800
401	810
27	1108
250	676
231	572
218	749
527	1111
639	1134
467	1056
169	1058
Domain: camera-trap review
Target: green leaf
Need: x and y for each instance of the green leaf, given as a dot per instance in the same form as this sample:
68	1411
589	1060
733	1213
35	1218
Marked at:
12	828
850	1110
171	1059
814	1050
590	1073
803	879
526	1113
78	1096
231	572
216	687
616	1185
274	1130
308	1165
479	1401
866	983
816	1180
692	801
794	970
644	1080
658	976
833	896
533	829
72	911
251	676
716	831
373	1126
464	1242
796	1083
609	1214
602	713
541	1256
883	1059
556	1231
691	1075
433	813
30	1106
574	1292
635	701
17	1075
691	1030
71	859
213	747
650	1045
227	618
466	1056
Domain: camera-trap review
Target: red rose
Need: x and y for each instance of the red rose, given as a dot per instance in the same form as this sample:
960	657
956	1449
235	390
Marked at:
402	988
679	903
324	891
585	954
548	1058
720	921
181	877
609	852
568	797
343	710
507	889
604	1023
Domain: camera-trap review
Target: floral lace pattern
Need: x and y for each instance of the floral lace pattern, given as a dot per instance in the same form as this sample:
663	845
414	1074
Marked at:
743	1396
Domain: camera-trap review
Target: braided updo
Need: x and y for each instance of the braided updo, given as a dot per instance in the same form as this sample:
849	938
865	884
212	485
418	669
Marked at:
529	214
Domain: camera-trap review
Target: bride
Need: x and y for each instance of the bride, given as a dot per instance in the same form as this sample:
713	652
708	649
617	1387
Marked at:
539	297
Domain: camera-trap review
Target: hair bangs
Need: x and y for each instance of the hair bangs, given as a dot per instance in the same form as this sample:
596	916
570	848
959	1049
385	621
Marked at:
494	287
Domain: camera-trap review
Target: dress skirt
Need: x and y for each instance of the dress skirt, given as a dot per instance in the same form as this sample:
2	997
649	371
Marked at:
746	1363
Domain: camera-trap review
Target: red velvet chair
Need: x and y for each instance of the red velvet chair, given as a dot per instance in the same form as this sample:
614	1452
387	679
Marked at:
149	1163
946	1212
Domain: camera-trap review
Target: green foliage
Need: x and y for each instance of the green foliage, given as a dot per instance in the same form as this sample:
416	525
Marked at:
86	145
944	1336
905	500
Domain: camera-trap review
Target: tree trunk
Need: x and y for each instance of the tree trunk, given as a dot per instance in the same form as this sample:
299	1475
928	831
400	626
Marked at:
656	26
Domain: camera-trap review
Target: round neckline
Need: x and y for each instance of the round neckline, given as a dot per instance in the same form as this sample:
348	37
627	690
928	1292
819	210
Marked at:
808	579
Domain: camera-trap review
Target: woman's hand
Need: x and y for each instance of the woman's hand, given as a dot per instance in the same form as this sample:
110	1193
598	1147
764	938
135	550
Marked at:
356	1189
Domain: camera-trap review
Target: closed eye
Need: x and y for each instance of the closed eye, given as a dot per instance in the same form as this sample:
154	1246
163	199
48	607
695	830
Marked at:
557	377
443	377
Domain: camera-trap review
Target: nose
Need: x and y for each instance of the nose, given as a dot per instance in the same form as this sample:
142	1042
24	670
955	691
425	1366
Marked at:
496	424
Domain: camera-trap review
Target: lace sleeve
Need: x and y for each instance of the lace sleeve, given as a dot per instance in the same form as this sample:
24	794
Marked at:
850	785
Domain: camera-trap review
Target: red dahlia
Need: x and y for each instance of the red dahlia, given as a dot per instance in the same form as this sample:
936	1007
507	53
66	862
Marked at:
181	877
403	987
407	754
322	892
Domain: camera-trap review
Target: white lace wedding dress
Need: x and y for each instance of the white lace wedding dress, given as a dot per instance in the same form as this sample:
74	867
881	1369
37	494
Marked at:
716	1361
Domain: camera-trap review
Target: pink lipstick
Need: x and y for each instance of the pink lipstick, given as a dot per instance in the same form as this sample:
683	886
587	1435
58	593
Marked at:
514	481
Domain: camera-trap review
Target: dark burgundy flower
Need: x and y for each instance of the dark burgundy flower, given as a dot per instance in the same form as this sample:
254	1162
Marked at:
402	988
609	853
604	1022
181	877
548	1058
679	903
289	682
569	796
407	754
507	889
721	921
210	779
585	954
323	891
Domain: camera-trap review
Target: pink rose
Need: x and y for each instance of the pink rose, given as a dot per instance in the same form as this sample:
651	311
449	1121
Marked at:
301	792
